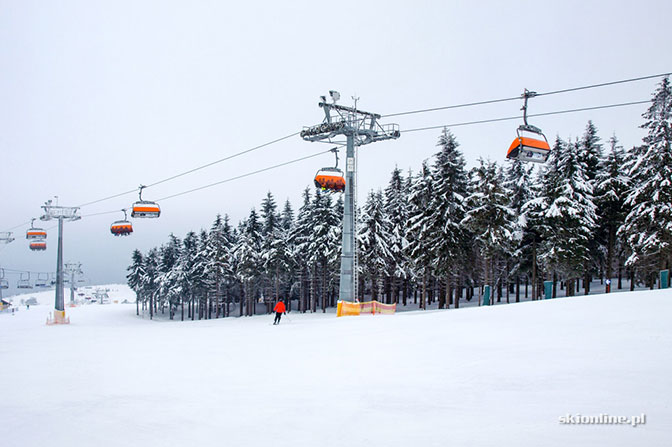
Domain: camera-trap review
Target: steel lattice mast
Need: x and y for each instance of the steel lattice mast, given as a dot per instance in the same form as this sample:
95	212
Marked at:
73	269
61	213
359	128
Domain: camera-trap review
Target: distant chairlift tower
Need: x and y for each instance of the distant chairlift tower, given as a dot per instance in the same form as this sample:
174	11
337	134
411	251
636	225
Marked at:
73	269
60	213
359	128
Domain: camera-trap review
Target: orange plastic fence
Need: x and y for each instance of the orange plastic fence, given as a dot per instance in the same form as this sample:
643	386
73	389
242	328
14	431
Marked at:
347	308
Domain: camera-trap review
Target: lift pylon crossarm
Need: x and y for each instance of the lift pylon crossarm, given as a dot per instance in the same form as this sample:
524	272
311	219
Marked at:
327	106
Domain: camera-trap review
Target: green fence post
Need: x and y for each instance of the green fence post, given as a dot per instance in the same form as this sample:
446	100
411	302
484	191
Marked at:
548	290
486	296
664	279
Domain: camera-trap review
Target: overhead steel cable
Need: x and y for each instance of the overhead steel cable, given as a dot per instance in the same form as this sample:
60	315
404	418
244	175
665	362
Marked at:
198	168
258	171
16	271
296	160
516	98
604	84
19	226
223	159
509	118
455	106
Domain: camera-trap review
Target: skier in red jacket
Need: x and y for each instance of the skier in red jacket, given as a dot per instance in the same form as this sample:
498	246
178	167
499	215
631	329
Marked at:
279	309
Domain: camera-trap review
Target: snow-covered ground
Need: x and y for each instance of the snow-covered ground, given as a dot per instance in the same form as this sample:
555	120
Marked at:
497	376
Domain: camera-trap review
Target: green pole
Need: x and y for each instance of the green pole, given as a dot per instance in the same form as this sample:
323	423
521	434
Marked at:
548	290
486	296
664	279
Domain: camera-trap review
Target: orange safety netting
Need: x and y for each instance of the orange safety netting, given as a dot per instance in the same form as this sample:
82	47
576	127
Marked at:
346	308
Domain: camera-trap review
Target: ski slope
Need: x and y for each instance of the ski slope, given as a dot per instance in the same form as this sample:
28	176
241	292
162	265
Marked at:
495	376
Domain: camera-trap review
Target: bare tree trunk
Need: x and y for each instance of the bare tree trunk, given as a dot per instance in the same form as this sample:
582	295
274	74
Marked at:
424	289
324	288
518	288
442	294
534	270
458	294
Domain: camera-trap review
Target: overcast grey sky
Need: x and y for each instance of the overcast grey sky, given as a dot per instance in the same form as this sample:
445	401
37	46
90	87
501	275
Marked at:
99	97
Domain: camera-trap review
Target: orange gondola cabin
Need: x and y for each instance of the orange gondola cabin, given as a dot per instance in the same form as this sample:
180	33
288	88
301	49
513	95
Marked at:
145	208
38	245
35	233
330	179
529	149
121	227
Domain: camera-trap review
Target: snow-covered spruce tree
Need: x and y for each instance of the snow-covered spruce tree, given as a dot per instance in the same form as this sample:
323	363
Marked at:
203	283
374	238
648	226
150	289
490	217
218	262
335	255
247	252
169	293
535	222
518	181
611	186
269	255
283	250
418	229
396	209
570	218
323	248
184	272
134	277
590	154
299	241
448	238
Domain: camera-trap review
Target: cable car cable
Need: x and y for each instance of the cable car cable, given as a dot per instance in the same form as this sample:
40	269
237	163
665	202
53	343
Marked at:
198	168
410	130
492	101
296	160
516	98
559	112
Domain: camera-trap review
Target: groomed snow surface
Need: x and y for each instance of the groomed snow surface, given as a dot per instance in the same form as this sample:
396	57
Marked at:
496	376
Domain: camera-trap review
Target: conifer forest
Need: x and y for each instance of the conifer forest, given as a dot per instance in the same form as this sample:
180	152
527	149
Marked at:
435	235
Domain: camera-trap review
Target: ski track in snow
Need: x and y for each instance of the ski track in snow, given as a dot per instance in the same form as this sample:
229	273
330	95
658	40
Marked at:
493	376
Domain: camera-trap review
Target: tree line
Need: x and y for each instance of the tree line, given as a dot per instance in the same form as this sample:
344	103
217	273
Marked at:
593	210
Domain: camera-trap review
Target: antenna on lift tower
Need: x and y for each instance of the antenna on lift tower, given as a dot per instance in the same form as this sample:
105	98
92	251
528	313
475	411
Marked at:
359	128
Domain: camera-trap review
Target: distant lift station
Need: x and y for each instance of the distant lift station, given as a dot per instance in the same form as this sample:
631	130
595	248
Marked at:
530	144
